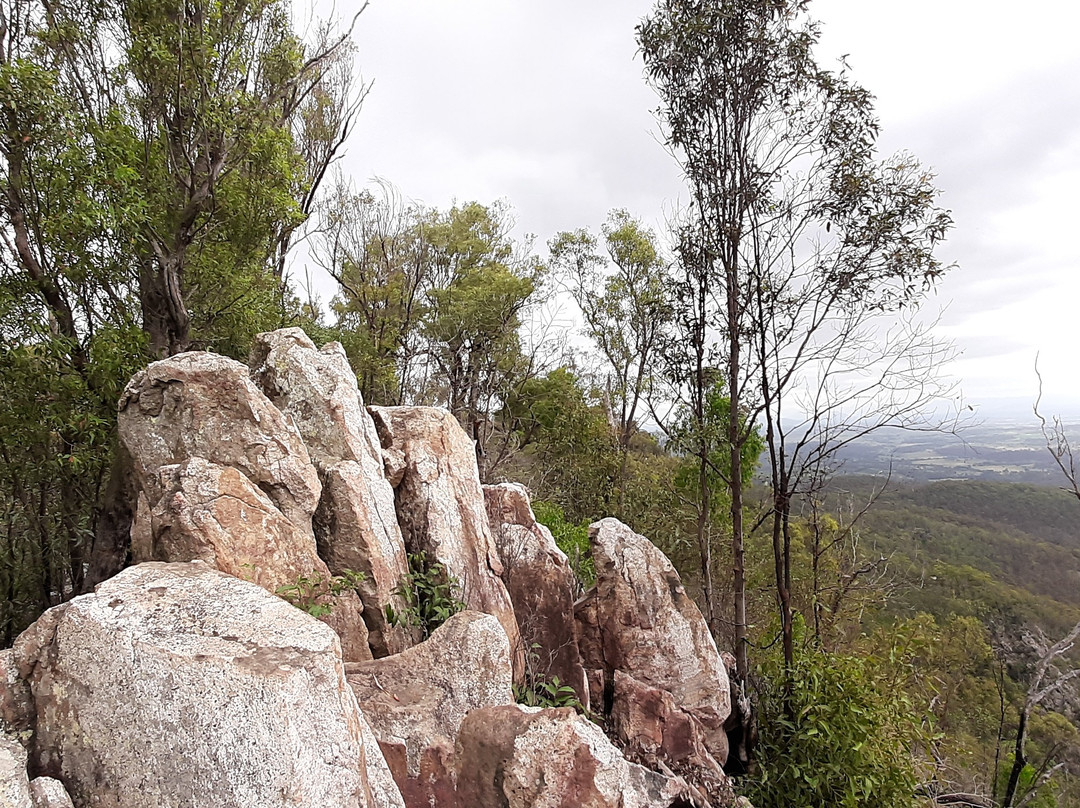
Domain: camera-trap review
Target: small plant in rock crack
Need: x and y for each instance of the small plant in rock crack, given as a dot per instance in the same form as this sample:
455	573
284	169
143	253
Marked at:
430	594
544	693
539	691
309	592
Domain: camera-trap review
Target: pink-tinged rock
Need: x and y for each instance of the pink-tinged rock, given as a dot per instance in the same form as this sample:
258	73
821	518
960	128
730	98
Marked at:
49	793
641	621
176	684
215	514
353	536
591	649
356	523
541	585
521	757
415	701
317	388
653	730
441	511
14	784
199	404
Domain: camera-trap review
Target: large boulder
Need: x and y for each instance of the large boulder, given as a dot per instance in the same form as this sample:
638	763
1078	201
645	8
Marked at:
415	701
522	757
179	685
225	478
440	508
215	514
355	525
640	621
200	404
541	585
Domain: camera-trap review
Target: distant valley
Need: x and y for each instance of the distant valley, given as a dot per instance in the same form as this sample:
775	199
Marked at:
1001	449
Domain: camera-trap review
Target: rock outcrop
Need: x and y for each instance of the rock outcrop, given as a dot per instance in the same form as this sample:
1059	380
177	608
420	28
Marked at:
654	730
639	621
522	757
199	404
16	700
541	586
415	701
227	479
183	682
440	508
356	524
176	684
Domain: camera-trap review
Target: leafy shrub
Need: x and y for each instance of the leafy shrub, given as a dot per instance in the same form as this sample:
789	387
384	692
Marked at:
835	733
544	693
431	596
310	592
571	539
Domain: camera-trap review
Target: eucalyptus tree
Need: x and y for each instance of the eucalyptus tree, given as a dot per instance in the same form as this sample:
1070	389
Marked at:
430	306
156	159
623	292
371	242
798	245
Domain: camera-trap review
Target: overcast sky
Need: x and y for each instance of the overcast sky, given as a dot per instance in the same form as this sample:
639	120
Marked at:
543	104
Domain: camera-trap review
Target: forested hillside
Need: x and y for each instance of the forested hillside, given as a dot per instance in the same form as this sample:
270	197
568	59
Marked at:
1021	541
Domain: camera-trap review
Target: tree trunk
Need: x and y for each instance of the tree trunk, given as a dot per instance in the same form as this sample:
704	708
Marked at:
735	444
708	587
112	527
1019	761
165	318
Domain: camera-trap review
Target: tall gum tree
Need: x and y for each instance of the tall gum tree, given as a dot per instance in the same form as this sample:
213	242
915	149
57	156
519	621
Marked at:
156	160
797	244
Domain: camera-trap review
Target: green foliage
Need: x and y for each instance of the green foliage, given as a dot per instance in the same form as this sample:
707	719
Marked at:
151	166
689	436
569	454
543	693
1044	798
836	731
572	539
57	440
314	594
430	596
625	299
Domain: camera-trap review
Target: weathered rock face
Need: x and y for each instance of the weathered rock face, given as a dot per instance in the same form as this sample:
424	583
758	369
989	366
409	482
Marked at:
541	586
178	685
356	524
521	757
639	620
215	514
16	701
14	784
653	730
49	793
226	479
440	508
200	404
415	701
